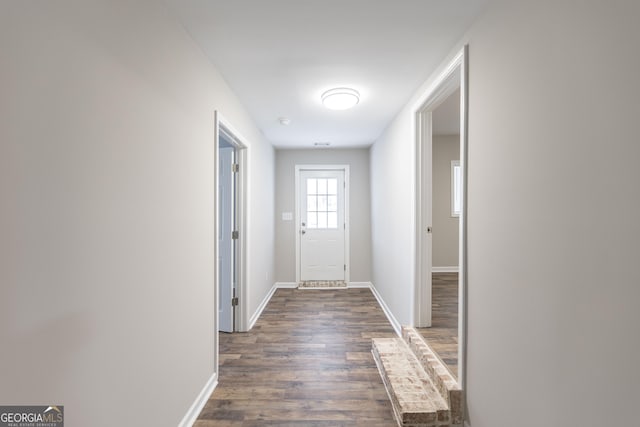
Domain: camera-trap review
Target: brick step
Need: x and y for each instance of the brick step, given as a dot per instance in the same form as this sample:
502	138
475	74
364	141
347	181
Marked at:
422	395
437	370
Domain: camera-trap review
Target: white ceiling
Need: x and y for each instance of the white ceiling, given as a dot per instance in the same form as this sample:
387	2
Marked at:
278	56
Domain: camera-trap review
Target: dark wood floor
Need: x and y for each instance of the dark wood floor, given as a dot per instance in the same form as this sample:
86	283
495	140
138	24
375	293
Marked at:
307	362
443	334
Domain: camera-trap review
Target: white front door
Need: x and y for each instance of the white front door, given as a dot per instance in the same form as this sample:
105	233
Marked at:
322	225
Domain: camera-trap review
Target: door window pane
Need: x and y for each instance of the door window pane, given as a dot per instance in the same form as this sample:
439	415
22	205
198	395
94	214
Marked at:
312	220
322	186
311	186
312	203
332	203
332	220
322	220
322	203
332	186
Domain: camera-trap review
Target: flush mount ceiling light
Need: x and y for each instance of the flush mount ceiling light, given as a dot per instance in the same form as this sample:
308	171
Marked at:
341	98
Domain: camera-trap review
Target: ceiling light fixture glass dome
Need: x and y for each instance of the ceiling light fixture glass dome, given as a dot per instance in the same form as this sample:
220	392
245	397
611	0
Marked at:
341	98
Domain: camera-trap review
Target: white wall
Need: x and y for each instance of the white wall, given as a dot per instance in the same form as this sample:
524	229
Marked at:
106	183
393	215
359	208
445	227
554	100
553	160
260	222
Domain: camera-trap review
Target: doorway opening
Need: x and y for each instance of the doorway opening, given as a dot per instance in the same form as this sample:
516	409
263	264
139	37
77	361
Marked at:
230	154
322	218
442	335
449	90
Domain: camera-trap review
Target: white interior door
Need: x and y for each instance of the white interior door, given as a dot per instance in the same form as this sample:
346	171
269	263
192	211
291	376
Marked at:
225	242
322	225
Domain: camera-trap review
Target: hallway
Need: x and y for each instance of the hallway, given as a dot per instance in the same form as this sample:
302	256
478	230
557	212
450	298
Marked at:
306	362
110	116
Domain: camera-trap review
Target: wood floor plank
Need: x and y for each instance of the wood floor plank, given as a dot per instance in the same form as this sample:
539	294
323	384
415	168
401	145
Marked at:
442	336
307	362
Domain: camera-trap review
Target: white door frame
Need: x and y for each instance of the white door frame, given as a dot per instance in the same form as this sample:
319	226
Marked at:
222	125
454	75
298	220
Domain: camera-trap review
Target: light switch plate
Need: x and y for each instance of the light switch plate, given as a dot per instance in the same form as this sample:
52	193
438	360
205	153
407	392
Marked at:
287	216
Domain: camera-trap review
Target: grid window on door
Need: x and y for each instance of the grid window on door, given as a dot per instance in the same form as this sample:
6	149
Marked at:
322	203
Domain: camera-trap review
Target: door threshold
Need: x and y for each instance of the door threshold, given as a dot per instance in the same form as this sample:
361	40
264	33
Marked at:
323	284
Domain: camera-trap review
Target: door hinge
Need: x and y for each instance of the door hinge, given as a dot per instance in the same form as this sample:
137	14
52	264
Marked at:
235	167
234	301
345	267
235	234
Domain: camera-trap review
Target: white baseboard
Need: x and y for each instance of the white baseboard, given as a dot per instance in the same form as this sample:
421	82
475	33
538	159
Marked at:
256	315
394	322
286	285
192	414
359	285
451	269
254	318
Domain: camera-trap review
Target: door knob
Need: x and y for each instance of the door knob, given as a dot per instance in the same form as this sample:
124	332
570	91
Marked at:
302	231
